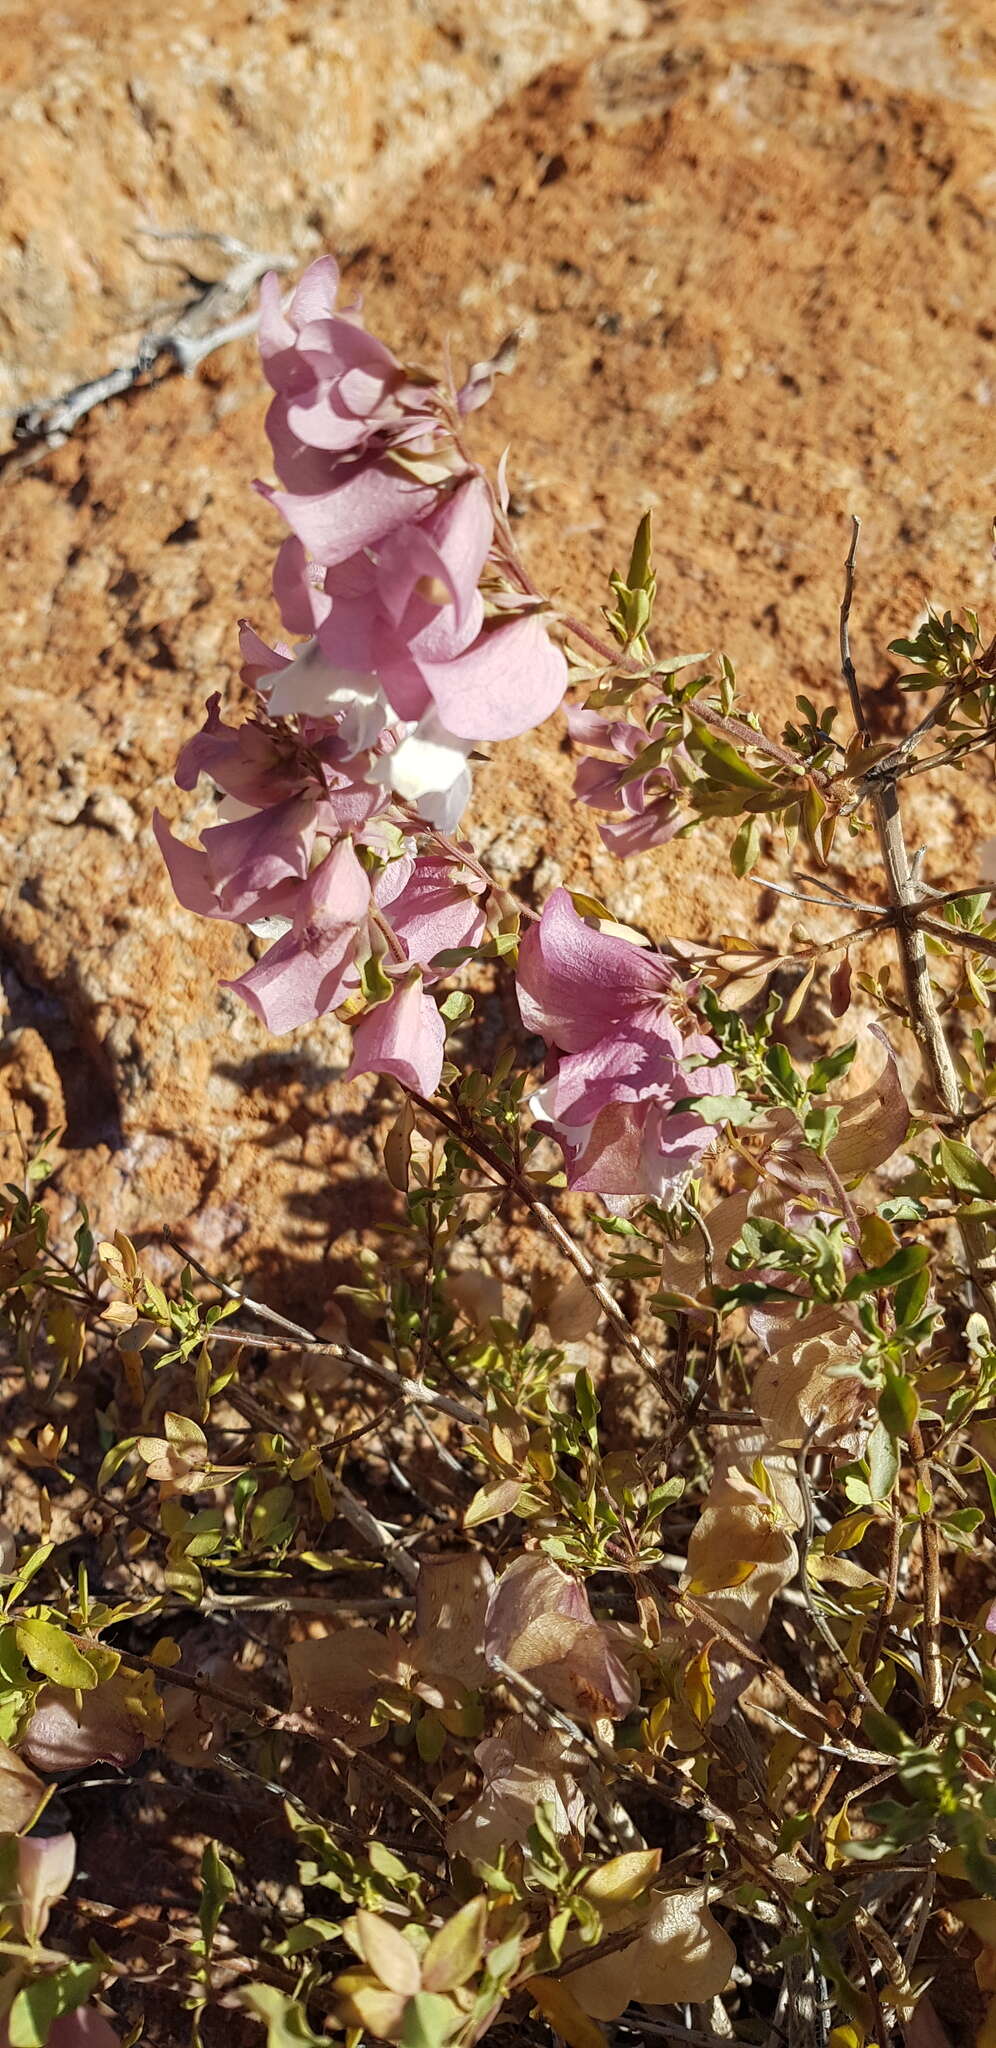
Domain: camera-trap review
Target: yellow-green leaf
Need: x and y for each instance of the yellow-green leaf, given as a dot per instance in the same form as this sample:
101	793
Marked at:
51	1651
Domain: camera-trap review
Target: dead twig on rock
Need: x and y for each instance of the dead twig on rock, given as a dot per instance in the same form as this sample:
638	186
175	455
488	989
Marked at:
211	317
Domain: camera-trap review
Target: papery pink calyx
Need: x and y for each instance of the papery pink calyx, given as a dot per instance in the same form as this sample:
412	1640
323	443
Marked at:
310	968
243	867
437	909
622	1063
576	985
646	809
540	1623
403	1039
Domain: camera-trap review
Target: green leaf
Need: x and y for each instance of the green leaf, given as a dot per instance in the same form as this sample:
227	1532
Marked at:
458	1004
641	572
831	1067
587	1402
717	1109
32	1564
429	2021
455	1952
883	1462
286	2025
910	1259
722	761
114	1460
898	1403
39	2004
217	1887
964	1169
746	846
51	1651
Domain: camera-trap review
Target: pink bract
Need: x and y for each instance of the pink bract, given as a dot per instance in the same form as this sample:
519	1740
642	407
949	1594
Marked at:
403	1038
621	1060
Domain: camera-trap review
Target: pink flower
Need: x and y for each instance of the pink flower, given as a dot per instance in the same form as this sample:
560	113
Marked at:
408	614
576	985
309	970
245	868
435	908
621	1062
645	807
342	403
403	1038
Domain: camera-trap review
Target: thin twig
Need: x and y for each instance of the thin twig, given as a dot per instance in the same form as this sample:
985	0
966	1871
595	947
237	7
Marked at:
549	1222
305	1340
907	921
933	1669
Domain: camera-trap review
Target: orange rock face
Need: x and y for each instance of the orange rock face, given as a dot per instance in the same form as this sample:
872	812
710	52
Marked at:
748	253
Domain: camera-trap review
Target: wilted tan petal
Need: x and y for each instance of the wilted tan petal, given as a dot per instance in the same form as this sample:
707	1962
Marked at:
111	1725
801	1384
479	1294
521	1766
740	1525
573	1313
680	1955
20	1792
683	1265
451	1601
366	2004
45	1865
540	1623
872	1125
338	1677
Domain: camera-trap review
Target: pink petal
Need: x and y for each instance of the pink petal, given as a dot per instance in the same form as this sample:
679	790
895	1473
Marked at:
188	871
367	505
247	856
404	1038
303	607
625	1066
575	984
338	890
299	979
316	292
276	335
435	911
510	680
